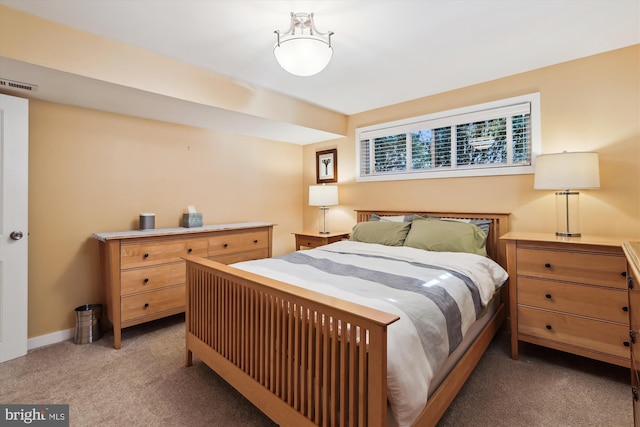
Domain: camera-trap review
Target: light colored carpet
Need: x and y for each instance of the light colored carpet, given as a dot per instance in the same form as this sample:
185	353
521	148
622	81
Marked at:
543	388
146	384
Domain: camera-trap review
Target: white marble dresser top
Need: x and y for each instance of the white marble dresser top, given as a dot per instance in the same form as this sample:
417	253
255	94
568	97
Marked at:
130	234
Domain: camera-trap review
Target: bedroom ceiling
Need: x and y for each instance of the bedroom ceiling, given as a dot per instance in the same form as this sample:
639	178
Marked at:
385	52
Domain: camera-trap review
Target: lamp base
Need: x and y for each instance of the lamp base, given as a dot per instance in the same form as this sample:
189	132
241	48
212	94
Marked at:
323	220
567	213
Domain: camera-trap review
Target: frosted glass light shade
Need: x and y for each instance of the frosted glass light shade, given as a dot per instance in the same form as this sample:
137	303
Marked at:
303	56
323	195
567	171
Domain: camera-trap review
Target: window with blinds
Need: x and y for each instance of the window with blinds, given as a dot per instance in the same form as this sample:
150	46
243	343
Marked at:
497	138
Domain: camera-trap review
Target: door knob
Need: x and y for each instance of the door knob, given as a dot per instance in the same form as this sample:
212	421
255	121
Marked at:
16	235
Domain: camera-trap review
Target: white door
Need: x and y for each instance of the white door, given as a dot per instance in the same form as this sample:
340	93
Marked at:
14	163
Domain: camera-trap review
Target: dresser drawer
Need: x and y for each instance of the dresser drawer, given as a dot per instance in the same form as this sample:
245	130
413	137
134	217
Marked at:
241	256
591	301
153	302
580	267
634	309
594	335
224	244
149	278
160	252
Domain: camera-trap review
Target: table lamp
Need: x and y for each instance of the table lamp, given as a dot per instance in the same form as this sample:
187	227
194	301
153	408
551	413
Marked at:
567	172
323	196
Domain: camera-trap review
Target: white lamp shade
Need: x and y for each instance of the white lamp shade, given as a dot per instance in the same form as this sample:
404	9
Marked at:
303	56
323	195
567	171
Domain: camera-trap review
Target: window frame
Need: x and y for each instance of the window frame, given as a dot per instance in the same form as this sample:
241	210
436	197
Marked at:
450	118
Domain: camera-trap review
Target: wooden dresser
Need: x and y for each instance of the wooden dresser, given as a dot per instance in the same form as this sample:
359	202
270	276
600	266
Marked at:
569	294
144	272
632	252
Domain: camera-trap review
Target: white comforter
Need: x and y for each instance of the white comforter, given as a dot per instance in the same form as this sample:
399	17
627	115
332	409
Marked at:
385	278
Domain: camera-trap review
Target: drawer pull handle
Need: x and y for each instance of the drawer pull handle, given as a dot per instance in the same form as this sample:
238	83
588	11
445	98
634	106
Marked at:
255	241
625	308
634	392
146	280
189	250
547	265
632	335
146	255
626	344
225	245
630	282
146	304
548	296
548	327
623	274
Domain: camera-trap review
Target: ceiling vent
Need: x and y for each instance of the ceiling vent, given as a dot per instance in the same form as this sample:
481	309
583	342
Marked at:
10	84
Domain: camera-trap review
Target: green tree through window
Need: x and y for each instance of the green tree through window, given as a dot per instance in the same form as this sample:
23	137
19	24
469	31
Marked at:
495	137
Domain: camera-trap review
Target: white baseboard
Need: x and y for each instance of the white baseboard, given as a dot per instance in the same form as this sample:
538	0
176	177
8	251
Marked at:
52	338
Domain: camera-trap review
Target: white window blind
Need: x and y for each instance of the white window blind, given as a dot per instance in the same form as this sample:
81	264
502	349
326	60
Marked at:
489	139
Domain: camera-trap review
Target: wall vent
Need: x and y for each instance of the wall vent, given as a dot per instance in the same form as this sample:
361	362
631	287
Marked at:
10	84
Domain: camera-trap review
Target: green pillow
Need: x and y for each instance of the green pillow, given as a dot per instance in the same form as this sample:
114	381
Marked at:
381	232
447	236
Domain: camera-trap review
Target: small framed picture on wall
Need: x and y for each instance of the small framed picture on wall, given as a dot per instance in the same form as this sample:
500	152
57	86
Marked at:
326	166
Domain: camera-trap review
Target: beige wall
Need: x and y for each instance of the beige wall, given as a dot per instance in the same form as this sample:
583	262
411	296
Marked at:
91	171
590	104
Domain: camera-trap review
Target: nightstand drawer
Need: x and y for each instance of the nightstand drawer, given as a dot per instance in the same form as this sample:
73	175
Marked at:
603	337
224	244
312	241
581	267
590	301
147	279
148	303
160	252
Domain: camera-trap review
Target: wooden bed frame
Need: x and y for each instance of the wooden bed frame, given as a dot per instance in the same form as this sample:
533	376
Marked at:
298	355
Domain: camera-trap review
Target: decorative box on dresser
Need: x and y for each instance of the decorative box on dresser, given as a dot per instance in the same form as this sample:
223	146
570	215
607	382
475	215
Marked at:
570	294
144	272
632	252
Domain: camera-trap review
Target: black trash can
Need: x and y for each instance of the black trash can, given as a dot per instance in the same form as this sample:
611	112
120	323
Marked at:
88	324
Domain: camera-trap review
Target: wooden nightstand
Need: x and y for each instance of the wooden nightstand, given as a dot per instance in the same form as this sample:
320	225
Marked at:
569	294
313	239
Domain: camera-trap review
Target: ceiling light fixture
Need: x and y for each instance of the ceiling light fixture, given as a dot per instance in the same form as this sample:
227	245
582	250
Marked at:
302	50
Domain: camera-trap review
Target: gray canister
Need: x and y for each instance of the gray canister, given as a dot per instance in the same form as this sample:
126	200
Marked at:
147	221
88	325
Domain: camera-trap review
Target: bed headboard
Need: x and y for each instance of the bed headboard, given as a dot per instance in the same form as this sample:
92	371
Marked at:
496	248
